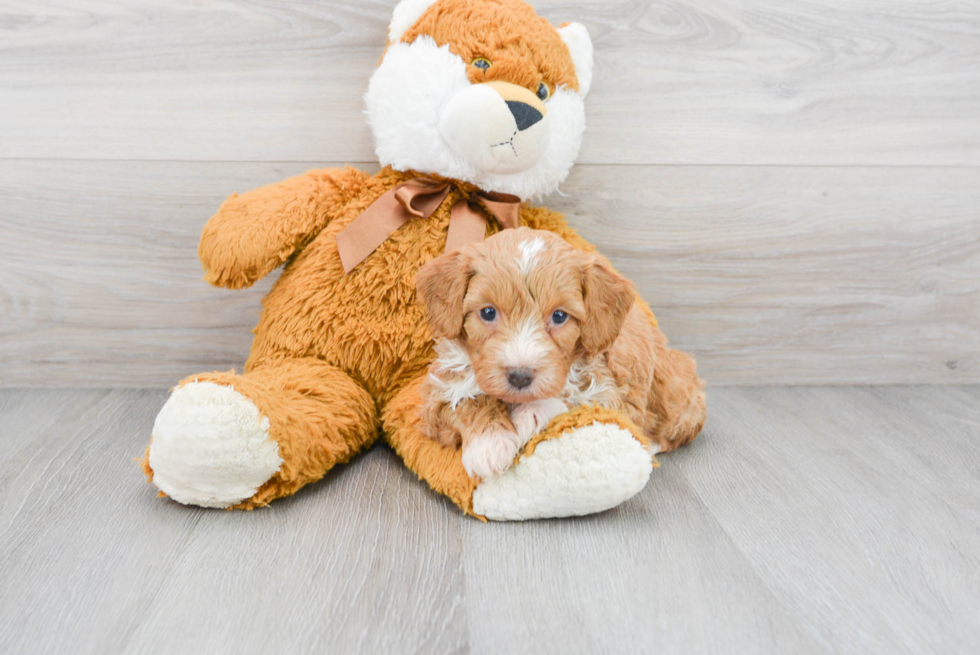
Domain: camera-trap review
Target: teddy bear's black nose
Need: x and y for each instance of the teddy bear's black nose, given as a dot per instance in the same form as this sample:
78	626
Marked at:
524	114
520	378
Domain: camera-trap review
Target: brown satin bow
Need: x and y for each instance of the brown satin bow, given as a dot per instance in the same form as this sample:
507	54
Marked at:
419	198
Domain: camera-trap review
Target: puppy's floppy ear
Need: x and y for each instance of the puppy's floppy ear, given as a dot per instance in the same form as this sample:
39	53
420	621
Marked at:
608	299
441	286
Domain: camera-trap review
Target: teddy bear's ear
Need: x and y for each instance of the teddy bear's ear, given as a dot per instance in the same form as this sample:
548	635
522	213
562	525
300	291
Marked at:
576	38
404	16
441	286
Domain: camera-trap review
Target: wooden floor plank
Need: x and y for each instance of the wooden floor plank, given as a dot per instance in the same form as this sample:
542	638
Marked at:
655	575
863	547
804	520
31	423
767	275
94	562
881	82
364	562
80	562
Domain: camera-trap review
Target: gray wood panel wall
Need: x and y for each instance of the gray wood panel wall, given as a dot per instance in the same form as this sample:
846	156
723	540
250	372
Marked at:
795	187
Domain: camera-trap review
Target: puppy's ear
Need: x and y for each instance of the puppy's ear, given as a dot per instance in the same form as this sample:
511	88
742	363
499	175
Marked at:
441	286
608	299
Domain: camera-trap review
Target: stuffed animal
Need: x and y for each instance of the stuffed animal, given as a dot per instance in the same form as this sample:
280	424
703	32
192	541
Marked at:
476	107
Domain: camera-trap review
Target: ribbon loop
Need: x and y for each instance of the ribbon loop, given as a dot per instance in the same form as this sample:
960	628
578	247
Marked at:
502	206
419	198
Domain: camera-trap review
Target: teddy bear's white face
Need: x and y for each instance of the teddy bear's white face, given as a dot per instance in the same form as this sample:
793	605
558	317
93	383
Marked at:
511	131
431	112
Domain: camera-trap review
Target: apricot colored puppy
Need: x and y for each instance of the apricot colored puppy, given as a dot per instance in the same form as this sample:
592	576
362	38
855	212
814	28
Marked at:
527	327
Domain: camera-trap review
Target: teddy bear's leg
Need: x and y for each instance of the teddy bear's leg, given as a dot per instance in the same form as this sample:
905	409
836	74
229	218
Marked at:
587	460
240	441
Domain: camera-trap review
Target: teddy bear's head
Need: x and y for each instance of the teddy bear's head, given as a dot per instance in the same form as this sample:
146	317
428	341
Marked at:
483	91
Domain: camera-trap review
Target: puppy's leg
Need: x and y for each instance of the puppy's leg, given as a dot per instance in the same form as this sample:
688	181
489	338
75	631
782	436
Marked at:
490	442
437	416
533	417
481	424
677	401
490	452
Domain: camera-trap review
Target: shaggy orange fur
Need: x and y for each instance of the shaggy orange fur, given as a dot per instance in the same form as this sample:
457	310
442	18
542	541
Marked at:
365	330
523	48
340	358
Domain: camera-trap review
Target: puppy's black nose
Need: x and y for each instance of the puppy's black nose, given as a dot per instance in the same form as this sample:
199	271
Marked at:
524	114
519	378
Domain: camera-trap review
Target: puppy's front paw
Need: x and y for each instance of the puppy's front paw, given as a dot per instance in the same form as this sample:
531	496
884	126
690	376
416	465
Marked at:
531	418
490	453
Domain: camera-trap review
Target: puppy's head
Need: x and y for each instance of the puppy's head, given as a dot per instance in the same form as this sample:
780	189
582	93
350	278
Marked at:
484	91
524	305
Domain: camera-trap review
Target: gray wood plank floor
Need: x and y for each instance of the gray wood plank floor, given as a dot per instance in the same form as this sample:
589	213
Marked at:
804	520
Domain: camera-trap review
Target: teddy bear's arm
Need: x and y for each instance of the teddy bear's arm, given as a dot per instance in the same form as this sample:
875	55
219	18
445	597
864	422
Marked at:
256	232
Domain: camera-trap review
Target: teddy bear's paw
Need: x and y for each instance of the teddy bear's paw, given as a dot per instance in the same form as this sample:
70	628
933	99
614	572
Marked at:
491	453
211	446
531	418
586	470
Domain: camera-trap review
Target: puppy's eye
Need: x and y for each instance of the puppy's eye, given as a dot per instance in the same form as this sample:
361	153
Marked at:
558	317
488	314
482	63
544	91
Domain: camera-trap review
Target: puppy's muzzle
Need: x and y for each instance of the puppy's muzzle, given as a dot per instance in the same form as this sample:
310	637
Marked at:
520	378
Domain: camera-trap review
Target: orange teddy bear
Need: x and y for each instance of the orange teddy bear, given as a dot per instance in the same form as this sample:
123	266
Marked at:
476	107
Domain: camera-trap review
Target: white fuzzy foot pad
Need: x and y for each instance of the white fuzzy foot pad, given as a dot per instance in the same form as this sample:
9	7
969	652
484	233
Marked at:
584	471
211	446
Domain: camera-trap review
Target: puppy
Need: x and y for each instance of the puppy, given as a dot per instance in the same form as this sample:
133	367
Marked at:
526	327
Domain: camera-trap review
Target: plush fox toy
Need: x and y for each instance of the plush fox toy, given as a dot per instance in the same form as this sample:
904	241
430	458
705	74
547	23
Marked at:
476	108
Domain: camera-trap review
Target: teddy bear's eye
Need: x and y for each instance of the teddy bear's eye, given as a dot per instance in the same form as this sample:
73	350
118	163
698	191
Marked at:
544	92
482	63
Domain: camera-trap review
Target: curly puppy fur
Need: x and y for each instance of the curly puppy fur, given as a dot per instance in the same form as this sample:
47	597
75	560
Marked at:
529	326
